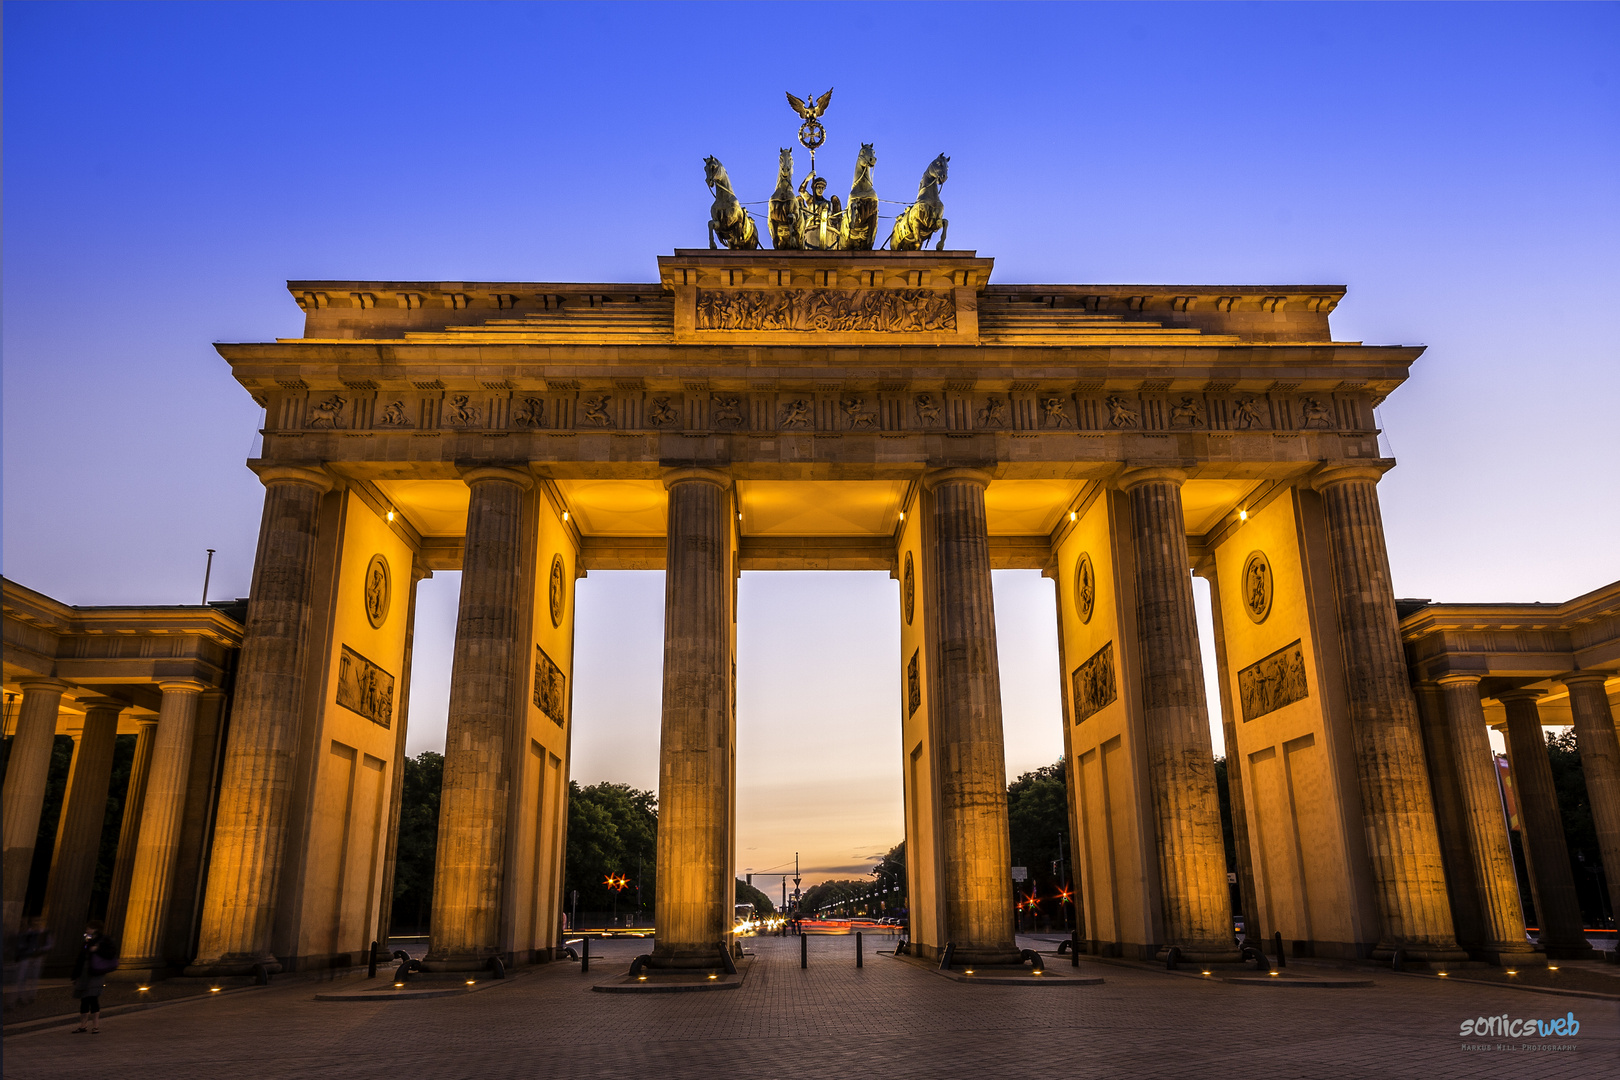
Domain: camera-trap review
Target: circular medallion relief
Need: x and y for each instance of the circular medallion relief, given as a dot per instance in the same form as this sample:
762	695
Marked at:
1085	588
908	589
559	589
377	590
1257	586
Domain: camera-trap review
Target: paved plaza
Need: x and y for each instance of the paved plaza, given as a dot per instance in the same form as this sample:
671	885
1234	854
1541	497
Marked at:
888	1019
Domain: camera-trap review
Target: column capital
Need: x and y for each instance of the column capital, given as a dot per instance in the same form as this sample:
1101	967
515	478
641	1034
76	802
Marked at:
103	704
44	685
182	686
293	474
1576	678
934	479
475	473
1523	693
1150	474
1458	679
1340	472
711	476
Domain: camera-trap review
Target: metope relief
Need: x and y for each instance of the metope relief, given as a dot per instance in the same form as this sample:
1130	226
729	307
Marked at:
461	412
1121	415
528	413
796	414
1314	414
661	414
857	415
394	415
827	311
994	413
1094	684
550	687
365	688
1187	413
593	410
1269	684
328	413
929	410
1250	414
1055	413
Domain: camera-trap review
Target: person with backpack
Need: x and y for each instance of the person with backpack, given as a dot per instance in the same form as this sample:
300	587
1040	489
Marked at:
98	957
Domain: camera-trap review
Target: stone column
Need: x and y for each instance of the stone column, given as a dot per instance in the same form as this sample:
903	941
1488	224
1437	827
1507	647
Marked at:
385	913
1600	762
1196	904
250	825
1451	818
974	846
1496	884
695	894
26	775
1552	884
486	699
1397	808
78	835
152	878
129	828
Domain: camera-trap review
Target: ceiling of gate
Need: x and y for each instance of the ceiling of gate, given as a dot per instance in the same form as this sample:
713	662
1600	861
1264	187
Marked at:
810	508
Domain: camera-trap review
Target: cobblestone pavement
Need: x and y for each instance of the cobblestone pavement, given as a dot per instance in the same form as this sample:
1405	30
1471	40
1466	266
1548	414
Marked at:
889	1020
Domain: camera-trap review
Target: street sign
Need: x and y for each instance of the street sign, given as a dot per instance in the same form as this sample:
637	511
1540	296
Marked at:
1020	873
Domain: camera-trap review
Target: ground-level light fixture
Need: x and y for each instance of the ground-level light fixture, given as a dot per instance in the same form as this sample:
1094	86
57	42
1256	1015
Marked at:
1512	972
213	989
143	989
1552	967
398	986
1443	974
471	982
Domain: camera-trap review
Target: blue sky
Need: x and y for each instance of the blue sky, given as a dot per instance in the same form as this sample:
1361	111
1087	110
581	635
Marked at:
168	167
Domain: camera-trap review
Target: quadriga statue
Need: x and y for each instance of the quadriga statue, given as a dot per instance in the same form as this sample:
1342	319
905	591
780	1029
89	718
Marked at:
728	218
917	223
859	229
784	213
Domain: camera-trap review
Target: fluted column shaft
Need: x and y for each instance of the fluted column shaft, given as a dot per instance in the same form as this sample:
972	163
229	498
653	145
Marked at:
1197	905
129	828
1397	807
486	700
698	734
1496	883
1600	763
1451	818
250	826
152	876
78	835
26	774
974	844
1552	884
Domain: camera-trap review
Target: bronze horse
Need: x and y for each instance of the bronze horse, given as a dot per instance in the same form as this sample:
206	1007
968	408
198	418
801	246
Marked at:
859	229
728	219
916	224
784	213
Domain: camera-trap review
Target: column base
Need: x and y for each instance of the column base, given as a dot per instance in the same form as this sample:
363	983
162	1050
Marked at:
1568	950
686	956
142	972
1508	954
1423	952
447	961
997	955
231	965
1204	952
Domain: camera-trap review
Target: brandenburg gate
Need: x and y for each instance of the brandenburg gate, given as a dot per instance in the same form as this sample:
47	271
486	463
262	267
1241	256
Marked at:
829	409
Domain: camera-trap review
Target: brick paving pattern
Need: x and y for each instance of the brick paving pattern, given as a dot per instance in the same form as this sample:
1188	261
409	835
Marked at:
889	1020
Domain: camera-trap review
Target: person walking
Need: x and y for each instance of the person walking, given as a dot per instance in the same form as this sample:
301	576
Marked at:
98	957
28	953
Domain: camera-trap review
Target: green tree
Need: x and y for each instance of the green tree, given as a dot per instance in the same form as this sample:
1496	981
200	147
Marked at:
747	894
1038	821
418	842
609	826
1580	831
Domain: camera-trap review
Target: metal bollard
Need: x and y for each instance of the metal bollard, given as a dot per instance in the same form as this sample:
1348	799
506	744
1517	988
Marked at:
585	956
371	962
804	951
1276	940
858	962
1074	949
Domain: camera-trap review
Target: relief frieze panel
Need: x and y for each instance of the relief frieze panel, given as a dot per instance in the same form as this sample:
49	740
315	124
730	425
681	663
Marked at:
1095	687
891	311
1273	682
365	688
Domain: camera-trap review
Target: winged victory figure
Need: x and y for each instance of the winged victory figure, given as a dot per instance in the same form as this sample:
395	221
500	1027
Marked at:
810	112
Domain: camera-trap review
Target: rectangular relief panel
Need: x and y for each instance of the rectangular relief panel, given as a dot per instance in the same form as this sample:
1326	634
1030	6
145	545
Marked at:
1270	683
365	688
1094	684
550	688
